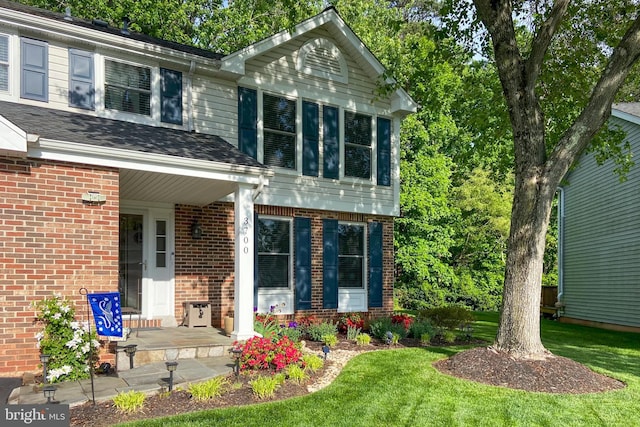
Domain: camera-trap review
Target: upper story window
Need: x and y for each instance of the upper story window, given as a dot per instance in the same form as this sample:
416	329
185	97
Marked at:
127	88
81	79
351	253
274	252
4	63
357	145
34	70
279	131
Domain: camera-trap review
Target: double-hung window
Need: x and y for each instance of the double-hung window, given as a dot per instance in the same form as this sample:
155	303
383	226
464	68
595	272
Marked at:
4	63
127	88
34	68
351	255
279	131
274	253
357	145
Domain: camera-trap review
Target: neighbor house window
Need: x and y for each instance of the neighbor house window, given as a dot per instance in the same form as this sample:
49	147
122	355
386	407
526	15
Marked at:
274	253
4	63
34	69
279	131
127	88
351	250
81	79
357	145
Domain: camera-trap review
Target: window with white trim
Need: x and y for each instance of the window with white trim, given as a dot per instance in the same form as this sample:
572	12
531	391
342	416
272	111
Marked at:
274	253
357	145
279	118
4	63
127	87
351	255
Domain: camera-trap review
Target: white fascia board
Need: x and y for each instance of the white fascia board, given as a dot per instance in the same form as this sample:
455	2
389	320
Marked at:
12	138
127	159
402	102
67	31
625	116
235	62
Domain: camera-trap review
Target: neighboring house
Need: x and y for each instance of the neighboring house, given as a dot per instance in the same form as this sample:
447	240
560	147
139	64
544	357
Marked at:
268	177
600	237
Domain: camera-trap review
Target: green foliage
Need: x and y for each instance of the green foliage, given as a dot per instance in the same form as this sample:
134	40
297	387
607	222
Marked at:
317	330
297	374
67	341
448	318
330	339
312	362
363	339
352	333
448	336
381	326
425	338
130	401
264	387
420	327
208	389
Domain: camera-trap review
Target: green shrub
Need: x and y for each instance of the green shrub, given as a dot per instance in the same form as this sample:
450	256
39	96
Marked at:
294	334
425	338
265	387
381	326
267	327
352	332
312	362
420	327
130	401
449	336
330	339
448	318
363	339
297	374
208	389
317	331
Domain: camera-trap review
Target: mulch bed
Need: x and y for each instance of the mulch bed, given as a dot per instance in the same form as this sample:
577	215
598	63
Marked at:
481	364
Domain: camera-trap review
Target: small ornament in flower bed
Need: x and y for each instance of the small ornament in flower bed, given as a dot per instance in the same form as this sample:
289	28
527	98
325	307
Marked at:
350	320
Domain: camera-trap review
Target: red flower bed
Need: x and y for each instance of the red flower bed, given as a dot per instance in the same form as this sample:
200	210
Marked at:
402	319
263	353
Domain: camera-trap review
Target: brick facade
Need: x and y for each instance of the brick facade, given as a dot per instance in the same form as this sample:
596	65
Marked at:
204	268
52	242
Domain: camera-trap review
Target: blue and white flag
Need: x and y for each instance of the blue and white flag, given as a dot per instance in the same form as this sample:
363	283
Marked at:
107	313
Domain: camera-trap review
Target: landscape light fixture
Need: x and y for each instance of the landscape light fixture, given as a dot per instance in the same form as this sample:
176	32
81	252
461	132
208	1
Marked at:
171	367
130	350
44	359
326	350
49	392
236	353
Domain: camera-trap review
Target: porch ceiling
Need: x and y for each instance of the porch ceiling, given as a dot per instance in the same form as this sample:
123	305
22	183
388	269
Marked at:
160	187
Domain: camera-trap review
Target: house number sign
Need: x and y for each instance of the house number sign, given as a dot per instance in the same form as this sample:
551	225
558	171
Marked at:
245	233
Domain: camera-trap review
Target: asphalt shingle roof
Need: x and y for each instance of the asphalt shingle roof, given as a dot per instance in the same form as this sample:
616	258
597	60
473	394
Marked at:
82	128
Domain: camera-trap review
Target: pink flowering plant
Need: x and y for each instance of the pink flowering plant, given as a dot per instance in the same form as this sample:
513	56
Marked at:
260	353
69	342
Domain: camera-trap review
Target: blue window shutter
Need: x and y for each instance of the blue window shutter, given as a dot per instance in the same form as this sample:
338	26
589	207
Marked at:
310	134
384	152
331	142
170	96
81	79
303	263
330	263
255	261
375	264
248	121
34	69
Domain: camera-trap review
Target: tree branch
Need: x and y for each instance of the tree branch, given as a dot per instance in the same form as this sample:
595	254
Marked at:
542	41
598	109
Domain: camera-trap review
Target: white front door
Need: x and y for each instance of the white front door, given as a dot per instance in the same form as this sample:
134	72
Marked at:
147	262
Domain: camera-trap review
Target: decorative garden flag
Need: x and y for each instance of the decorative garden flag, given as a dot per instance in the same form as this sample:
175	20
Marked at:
107	313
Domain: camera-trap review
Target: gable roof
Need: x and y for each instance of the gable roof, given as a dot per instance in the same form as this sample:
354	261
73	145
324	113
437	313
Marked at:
629	111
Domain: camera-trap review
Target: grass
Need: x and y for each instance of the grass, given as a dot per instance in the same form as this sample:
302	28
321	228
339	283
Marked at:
401	388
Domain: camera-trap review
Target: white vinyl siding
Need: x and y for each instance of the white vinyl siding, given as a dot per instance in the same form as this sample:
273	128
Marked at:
221	120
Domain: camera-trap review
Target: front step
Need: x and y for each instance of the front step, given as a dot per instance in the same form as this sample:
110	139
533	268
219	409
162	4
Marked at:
146	356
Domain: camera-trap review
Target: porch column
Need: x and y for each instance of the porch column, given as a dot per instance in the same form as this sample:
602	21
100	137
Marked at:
244	258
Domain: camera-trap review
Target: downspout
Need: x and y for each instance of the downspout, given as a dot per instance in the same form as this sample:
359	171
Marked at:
560	303
192	69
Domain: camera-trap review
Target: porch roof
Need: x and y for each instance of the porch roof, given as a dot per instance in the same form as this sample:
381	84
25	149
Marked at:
156	164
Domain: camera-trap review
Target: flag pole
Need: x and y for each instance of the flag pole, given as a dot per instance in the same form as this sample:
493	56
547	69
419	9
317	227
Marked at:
84	291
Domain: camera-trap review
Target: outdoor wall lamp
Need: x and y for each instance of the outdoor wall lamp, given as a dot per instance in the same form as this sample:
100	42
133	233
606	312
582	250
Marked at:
44	359
196	230
171	367
49	392
236	353
130	350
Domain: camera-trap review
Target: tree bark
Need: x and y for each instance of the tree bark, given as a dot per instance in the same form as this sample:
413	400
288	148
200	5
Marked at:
536	174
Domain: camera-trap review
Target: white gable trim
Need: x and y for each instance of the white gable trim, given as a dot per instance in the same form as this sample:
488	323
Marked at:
13	140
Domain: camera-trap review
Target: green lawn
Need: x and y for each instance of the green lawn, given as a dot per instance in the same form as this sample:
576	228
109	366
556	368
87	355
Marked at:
400	388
